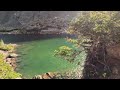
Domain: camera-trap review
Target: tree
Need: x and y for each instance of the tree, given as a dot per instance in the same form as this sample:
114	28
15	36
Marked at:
95	31
97	25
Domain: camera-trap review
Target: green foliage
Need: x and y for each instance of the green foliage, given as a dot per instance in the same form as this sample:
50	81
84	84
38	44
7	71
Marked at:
1	56
63	51
69	54
6	47
9	47
97	25
95	31
6	71
1	43
74	42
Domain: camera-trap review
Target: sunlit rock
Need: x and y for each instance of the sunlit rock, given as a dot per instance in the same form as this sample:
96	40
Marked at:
13	55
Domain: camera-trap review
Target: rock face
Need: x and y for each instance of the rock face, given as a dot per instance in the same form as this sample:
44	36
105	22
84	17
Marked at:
114	51
114	60
35	20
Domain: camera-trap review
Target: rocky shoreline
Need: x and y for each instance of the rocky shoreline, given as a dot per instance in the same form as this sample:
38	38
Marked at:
48	75
33	31
10	57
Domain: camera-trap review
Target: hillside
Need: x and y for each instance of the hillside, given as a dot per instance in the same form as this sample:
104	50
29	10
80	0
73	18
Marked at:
34	21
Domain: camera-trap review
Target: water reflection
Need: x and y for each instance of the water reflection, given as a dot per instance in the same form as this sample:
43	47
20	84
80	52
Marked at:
15	38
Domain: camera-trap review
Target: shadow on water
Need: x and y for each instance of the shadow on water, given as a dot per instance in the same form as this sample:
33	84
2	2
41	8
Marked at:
16	38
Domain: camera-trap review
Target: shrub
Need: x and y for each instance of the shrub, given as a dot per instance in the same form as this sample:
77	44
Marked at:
9	47
6	71
63	51
6	47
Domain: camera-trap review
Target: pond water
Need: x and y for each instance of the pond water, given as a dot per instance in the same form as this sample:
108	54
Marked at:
36	53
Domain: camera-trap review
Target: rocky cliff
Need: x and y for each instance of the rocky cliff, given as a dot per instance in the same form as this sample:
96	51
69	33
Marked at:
29	21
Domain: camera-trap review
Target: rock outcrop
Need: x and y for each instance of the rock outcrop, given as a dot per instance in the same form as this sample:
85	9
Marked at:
114	61
16	21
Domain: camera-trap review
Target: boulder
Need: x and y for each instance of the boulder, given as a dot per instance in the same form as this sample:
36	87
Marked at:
48	75
13	60
9	60
40	76
13	55
51	74
45	76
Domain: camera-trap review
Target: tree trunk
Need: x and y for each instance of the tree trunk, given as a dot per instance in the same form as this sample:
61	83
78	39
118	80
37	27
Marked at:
96	65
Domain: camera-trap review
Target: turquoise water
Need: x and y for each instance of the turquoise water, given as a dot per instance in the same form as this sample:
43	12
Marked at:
37	57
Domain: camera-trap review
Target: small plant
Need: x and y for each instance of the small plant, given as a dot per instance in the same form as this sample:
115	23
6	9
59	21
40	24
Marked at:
63	51
6	47
1	43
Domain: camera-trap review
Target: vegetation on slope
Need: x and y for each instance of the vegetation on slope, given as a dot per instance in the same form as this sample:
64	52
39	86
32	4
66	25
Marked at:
95	31
73	55
6	71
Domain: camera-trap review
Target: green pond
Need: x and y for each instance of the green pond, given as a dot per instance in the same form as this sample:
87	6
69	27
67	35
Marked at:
36	54
37	57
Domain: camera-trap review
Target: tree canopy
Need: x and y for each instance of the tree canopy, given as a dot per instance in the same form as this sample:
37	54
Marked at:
97	26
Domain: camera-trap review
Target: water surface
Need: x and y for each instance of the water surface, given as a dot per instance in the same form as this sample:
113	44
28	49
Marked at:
36	53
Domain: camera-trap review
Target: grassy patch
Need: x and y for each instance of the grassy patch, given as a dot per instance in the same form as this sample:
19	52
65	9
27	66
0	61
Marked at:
6	47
